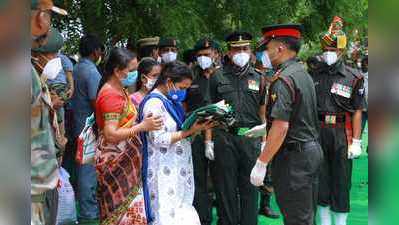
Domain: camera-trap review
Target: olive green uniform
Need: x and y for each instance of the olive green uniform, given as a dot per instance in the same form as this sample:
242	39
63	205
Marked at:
340	92
197	96
235	155
295	167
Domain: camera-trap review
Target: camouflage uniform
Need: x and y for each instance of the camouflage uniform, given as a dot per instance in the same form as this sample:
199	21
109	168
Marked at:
44	165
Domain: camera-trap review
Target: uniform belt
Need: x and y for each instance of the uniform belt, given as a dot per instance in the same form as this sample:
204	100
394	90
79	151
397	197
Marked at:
332	118
299	146
238	130
38	198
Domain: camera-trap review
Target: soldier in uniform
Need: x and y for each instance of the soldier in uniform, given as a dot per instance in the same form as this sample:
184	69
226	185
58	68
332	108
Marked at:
148	47
44	165
264	66
235	154
340	95
168	49
202	146
292	133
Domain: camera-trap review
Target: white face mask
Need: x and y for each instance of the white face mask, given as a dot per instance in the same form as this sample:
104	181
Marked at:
150	83
266	60
52	68
241	59
330	57
169	57
204	62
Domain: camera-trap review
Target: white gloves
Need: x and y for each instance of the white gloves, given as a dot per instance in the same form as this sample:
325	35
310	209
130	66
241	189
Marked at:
256	131
209	153
258	173
355	149
262	146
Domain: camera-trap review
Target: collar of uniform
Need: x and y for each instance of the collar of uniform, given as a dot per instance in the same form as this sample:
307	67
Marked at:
287	63
234	70
340	67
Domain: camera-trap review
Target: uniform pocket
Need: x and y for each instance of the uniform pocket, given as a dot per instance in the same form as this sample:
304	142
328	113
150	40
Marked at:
226	92
300	170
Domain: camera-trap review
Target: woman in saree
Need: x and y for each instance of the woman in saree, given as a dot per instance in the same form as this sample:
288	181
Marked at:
118	157
168	168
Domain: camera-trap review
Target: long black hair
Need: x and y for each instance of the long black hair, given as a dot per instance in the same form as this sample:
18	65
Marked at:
118	58
145	67
176	71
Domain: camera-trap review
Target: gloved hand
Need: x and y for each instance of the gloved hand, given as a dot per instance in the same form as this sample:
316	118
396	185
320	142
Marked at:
355	149
258	173
262	146
209	153
256	131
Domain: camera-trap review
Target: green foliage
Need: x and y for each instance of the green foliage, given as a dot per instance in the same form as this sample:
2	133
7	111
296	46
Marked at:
122	21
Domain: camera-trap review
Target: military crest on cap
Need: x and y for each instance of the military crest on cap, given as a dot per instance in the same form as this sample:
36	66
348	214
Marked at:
238	39
206	44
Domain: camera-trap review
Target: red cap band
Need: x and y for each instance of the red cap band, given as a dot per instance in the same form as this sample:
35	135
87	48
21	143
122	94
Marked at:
284	32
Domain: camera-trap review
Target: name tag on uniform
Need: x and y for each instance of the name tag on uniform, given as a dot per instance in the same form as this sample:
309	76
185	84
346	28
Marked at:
194	86
253	85
341	90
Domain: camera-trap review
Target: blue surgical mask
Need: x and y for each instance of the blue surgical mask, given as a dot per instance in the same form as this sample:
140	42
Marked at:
131	79
263	57
177	95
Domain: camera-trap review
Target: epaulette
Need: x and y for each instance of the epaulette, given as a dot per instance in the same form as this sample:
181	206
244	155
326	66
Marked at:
355	72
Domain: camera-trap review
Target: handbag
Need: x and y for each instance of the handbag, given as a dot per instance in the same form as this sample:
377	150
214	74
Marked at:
87	143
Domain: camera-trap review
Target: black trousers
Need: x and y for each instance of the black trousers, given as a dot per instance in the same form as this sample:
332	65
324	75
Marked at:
295	175
202	202
51	206
336	170
236	197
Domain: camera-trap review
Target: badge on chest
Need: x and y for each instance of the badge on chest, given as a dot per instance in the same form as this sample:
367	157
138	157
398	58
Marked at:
253	85
341	90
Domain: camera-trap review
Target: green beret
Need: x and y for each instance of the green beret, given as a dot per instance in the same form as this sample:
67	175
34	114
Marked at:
204	44
54	43
167	42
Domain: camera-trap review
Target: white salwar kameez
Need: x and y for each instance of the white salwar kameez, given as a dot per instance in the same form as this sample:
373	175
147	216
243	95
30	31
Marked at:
170	171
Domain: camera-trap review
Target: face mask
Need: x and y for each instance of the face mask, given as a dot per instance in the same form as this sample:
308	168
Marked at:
52	68
150	83
204	62
169	57
264	58
177	95
330	57
130	79
98	60
241	59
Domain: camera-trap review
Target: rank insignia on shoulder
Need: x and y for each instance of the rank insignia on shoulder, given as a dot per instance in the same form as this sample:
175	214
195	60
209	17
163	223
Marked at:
274	97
